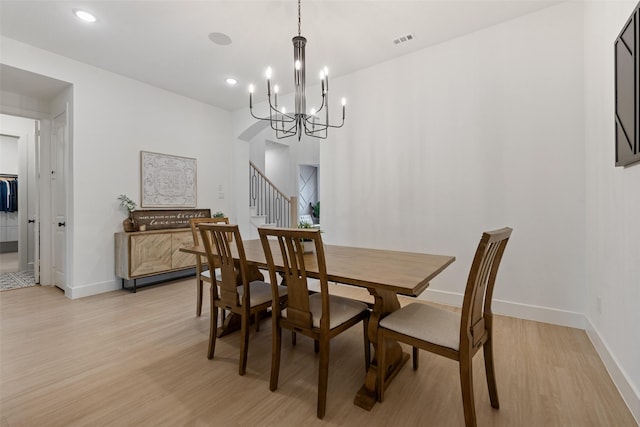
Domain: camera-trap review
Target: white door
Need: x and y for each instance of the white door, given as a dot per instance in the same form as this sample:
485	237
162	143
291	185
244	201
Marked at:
59	199
33	230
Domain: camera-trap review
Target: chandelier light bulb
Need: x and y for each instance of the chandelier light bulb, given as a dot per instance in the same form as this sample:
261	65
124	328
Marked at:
313	111
298	65
276	89
326	71
284	110
321	74
344	101
251	88
268	73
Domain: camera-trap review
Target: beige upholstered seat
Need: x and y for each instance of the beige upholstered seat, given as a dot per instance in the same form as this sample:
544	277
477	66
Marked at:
443	325
320	316
453	335
342	309
234	292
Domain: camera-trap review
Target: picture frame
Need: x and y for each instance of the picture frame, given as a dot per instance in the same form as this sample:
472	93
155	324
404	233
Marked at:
167	181
627	92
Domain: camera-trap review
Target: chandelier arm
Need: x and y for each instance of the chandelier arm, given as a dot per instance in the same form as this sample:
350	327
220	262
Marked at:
323	126
321	133
322	105
287	133
336	126
256	117
275	110
291	130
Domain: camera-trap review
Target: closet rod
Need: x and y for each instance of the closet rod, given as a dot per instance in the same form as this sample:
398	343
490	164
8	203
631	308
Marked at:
8	175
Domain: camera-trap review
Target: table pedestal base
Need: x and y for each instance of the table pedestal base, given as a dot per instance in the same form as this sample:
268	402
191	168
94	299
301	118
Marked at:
385	302
367	395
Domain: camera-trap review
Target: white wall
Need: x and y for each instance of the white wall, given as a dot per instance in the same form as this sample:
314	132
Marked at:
113	119
276	167
8	153
613	207
477	133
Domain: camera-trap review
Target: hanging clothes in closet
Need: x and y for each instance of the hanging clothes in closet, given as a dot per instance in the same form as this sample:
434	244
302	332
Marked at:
8	194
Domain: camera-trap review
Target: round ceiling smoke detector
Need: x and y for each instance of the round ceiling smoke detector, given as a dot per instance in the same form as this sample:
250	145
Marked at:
220	39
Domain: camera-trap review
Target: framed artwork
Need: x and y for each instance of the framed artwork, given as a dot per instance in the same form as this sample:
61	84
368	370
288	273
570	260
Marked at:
627	91
167	181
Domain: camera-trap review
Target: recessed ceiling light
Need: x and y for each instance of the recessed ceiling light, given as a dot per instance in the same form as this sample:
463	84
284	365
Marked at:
220	38
84	15
231	81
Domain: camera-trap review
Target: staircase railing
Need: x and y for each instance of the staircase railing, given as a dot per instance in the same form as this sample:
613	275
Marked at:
269	201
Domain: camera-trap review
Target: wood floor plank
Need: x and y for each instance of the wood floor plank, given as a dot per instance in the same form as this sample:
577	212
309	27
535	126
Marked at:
123	359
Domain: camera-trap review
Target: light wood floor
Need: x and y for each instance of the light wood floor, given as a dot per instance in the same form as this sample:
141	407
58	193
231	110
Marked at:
122	359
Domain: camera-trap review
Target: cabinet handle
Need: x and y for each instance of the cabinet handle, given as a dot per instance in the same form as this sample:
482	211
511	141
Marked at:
62	224
31	221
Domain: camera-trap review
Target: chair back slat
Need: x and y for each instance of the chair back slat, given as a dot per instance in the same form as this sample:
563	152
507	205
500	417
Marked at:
219	246
295	276
194	223
289	241
476	307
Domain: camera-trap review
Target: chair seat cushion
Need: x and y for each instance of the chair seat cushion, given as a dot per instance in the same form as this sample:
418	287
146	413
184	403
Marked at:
207	274
260	292
341	309
426	323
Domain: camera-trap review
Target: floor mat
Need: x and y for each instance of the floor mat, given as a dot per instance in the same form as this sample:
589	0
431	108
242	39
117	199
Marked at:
20	279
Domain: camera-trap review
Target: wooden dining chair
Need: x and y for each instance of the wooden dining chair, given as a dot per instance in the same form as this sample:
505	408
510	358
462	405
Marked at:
320	315
203	271
236	293
450	334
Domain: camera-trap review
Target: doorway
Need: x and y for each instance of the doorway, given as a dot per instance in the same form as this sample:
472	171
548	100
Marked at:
309	191
19	141
41	99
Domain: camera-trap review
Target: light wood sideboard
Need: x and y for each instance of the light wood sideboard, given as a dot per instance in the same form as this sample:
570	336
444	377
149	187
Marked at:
148	253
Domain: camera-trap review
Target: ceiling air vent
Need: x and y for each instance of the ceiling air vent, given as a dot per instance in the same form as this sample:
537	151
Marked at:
403	39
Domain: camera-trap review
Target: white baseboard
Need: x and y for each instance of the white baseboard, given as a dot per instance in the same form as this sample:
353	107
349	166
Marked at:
116	284
630	395
93	289
513	309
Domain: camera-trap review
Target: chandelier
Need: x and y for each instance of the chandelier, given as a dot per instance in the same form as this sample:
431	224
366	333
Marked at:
287	125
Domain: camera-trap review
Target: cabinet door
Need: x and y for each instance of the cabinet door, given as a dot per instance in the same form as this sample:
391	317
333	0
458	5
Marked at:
181	259
150	254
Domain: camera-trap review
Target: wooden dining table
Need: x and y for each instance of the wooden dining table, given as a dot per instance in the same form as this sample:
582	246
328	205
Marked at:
384	273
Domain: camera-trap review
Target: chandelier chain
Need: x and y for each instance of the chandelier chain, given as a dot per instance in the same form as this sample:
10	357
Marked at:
298	17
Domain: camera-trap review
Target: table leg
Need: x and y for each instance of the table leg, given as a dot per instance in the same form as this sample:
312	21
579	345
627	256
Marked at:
385	302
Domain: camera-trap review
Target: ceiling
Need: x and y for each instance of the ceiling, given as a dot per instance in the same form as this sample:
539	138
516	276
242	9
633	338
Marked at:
166	43
30	84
